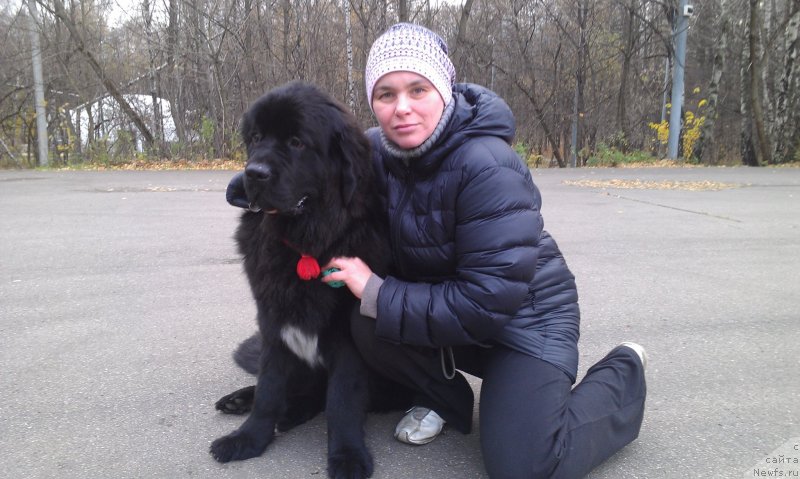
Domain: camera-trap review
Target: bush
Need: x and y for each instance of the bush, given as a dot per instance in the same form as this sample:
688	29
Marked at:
98	152
611	157
531	160
522	150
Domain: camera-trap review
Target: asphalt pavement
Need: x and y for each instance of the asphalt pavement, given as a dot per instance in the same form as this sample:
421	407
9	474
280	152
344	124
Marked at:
122	297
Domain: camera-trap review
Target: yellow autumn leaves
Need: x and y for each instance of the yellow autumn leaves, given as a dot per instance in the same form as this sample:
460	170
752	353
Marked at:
692	123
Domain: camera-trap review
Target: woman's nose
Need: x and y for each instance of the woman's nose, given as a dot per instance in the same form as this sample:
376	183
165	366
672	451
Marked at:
403	104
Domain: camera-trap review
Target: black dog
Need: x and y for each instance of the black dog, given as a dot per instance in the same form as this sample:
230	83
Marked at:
311	187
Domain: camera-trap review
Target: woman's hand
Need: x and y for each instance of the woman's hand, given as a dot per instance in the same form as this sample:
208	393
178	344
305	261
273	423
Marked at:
352	271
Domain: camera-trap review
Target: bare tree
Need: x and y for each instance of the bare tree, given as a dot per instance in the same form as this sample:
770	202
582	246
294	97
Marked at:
59	11
627	51
154	76
525	75
459	48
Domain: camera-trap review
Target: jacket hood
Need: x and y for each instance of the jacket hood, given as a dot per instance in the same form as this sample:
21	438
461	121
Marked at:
478	111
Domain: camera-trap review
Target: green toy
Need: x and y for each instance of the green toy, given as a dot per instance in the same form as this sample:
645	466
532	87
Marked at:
333	284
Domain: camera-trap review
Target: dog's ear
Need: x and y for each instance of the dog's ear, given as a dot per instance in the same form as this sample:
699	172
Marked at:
353	148
245	127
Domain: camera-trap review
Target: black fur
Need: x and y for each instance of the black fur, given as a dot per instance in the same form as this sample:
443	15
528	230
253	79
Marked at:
309	173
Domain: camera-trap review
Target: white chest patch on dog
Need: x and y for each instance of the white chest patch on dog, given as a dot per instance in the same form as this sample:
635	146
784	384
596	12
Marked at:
302	344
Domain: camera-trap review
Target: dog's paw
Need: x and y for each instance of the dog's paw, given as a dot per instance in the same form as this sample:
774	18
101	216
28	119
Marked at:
237	402
238	446
350	464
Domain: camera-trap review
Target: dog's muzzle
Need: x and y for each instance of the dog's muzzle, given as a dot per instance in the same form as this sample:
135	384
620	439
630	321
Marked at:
256	173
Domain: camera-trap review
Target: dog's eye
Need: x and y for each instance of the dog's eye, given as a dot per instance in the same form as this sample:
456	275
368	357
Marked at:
295	142
255	138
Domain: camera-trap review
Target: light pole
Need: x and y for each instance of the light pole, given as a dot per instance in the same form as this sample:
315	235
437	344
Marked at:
681	26
38	87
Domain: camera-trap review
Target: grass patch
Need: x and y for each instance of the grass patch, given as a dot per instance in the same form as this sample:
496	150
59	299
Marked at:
610	157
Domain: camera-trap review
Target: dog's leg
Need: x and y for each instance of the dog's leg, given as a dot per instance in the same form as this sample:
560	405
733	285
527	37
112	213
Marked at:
237	402
305	398
347	400
269	402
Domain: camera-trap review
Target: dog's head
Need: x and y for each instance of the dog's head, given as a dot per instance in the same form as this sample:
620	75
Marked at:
305	152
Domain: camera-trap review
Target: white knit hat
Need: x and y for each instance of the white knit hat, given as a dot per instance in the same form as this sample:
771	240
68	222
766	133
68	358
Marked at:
413	48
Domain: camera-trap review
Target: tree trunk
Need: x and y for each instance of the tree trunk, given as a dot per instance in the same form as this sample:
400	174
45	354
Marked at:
174	80
458	51
348	32
577	105
762	148
402	10
155	94
746	140
287	13
704	148
786	99
627	54
793	104
382	21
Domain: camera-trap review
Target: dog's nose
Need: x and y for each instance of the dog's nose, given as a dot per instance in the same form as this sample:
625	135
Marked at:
258	171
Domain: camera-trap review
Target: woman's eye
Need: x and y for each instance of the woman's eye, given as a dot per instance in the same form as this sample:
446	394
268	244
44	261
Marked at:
295	142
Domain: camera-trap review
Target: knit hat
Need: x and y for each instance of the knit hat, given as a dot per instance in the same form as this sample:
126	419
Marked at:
413	48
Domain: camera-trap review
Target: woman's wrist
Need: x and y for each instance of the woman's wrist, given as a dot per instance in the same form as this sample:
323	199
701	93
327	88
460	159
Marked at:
369	298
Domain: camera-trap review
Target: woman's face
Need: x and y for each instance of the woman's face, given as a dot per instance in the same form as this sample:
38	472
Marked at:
407	107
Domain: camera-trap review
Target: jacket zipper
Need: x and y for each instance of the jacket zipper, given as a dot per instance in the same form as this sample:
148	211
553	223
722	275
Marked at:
398	215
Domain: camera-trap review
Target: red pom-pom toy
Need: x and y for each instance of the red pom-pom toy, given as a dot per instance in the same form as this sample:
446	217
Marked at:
308	268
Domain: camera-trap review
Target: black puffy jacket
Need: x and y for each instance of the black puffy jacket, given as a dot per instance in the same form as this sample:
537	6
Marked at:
473	262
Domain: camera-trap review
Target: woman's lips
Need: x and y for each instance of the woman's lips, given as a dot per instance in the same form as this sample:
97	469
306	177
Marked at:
404	127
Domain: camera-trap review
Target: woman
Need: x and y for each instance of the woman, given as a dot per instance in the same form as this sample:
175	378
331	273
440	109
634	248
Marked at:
480	286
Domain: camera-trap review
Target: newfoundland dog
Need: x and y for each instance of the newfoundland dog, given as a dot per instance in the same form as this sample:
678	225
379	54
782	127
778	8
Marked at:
310	183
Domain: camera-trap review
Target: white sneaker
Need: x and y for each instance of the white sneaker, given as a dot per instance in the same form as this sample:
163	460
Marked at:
639	350
419	426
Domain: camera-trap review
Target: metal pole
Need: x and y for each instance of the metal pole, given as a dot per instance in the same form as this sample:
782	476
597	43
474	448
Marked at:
38	87
681	25
665	100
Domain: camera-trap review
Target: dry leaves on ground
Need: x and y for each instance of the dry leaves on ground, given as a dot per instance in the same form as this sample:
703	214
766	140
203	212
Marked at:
653	185
218	164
